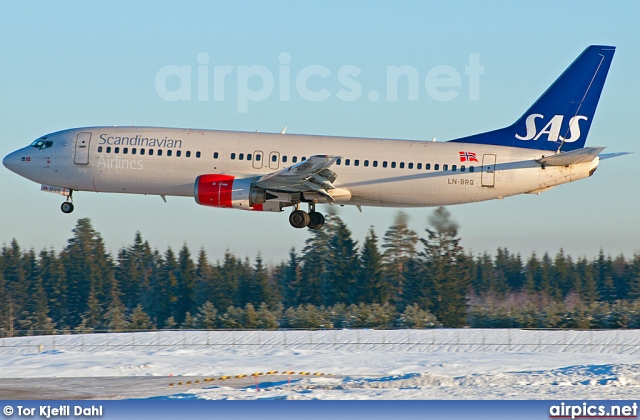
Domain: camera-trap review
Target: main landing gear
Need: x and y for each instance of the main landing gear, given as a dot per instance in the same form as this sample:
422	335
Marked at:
67	206
313	220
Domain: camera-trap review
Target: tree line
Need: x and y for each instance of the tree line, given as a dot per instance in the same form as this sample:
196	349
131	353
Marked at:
403	279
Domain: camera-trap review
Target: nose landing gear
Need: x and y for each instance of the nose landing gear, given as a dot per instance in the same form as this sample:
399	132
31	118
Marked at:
313	220
67	206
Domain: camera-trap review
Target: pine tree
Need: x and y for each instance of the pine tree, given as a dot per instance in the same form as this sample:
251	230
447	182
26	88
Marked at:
16	285
589	288
207	316
619	272
232	319
604	276
532	274
93	318
447	269
55	284
263	291
546	275
357	316
561	275
189	323
87	265
416	317
245	287
289	276
115	318
250	320
499	283
4	304
307	317
139	319
155	299
170	323
267	319
399	246
186	278
134	271
370	316
416	287
484	280
37	318
339	280
634	277
204	279
371	285
226	287
168	289
311	275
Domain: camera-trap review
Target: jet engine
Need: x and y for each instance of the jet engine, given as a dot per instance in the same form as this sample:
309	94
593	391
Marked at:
227	191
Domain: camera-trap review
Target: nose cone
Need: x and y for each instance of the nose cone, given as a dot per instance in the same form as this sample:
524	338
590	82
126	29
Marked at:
11	161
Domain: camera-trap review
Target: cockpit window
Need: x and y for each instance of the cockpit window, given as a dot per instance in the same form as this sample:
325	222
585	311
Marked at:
42	144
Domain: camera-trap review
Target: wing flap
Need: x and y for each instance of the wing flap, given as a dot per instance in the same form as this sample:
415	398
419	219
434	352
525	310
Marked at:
312	174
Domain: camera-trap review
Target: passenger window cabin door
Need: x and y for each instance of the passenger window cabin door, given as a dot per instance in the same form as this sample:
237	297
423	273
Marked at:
81	152
258	157
488	170
274	160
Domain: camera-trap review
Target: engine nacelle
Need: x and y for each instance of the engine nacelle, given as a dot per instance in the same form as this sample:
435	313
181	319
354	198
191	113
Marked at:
220	190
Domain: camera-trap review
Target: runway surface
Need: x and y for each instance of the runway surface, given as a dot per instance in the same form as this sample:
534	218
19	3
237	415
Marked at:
116	388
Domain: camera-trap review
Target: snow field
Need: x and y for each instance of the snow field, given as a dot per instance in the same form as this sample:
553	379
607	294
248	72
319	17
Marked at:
367	364
435	340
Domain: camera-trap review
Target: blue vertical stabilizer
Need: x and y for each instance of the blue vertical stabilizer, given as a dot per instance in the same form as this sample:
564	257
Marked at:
560	119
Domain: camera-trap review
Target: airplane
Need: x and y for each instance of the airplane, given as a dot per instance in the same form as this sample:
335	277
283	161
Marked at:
254	171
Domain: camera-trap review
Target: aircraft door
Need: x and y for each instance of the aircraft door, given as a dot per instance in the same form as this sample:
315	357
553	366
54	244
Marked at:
258	156
81	152
274	160
488	170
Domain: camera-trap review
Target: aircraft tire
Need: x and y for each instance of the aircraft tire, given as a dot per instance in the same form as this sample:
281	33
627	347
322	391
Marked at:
299	219
316	220
66	207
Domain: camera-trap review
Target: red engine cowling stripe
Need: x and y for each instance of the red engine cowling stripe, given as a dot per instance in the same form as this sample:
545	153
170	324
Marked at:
215	190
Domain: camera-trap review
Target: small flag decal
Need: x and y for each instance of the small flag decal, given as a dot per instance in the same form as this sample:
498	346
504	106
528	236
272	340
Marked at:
468	157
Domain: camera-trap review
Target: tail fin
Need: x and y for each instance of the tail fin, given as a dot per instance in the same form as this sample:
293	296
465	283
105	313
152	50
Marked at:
560	119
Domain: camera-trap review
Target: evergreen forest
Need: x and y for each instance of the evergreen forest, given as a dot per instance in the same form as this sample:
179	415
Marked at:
402	279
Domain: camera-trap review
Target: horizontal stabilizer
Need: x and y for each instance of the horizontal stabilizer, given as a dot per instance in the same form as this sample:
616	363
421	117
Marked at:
612	155
573	157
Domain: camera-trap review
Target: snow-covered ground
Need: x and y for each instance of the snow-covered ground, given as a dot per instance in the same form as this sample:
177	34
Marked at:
364	364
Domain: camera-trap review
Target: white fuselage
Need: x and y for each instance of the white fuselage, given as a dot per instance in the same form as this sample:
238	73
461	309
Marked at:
377	172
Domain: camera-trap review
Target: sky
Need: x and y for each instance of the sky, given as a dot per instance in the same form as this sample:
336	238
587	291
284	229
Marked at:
75	64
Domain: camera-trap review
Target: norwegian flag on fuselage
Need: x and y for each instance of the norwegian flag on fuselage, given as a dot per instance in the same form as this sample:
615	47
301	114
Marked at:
468	156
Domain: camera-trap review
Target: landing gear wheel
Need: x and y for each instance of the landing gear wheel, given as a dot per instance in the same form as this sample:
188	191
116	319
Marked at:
66	207
299	219
316	220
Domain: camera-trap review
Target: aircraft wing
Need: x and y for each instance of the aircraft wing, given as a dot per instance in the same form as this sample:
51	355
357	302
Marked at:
312	174
573	157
